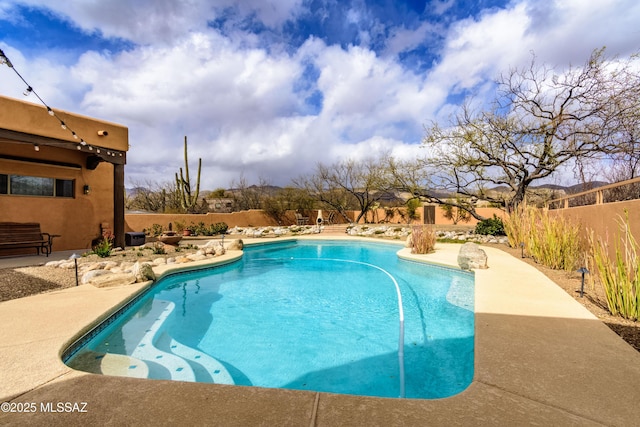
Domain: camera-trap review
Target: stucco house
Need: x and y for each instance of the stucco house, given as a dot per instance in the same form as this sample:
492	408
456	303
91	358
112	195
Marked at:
65	172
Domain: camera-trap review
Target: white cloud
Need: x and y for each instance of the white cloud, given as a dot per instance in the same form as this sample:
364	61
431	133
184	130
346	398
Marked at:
242	104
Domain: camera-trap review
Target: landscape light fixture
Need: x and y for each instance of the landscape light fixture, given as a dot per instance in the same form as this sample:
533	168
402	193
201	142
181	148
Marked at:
522	249
75	257
583	271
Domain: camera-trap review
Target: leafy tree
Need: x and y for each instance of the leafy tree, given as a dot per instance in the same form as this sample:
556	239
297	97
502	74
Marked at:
538	122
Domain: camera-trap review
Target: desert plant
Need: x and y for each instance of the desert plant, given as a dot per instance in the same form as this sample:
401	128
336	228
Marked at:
517	226
455	213
188	196
155	231
619	277
554	241
412	209
158	248
490	226
105	246
180	226
423	239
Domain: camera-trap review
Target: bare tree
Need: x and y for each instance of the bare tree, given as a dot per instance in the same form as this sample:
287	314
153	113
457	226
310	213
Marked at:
538	122
348	185
153	197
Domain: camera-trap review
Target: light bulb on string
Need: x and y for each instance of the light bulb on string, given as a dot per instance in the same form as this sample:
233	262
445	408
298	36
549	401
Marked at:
62	125
74	135
27	91
50	111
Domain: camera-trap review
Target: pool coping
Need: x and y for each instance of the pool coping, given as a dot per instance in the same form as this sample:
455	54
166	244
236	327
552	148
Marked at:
539	356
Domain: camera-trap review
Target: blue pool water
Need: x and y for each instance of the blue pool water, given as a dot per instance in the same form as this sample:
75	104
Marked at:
308	315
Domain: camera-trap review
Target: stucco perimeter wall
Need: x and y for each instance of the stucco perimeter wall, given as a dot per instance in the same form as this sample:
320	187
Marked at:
604	219
257	218
76	219
139	222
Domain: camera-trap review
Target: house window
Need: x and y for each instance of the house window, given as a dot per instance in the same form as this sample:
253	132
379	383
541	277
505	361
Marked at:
36	186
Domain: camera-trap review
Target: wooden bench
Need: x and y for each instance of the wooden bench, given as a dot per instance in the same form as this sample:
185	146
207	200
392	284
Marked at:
18	235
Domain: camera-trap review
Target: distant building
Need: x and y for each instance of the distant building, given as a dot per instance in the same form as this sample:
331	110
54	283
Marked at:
72	186
220	205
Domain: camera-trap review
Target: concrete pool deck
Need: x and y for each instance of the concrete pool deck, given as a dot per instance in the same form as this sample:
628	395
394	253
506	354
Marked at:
540	358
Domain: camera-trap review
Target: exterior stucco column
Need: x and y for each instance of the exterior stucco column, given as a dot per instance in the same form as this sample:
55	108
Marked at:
118	205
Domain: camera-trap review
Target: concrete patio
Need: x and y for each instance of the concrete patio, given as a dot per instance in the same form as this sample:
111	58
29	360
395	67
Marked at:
540	358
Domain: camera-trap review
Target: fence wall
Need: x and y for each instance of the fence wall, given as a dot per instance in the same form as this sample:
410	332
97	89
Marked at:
257	218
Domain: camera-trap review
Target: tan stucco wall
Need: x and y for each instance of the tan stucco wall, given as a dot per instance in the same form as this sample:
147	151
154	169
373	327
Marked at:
33	119
139	222
604	219
78	219
257	218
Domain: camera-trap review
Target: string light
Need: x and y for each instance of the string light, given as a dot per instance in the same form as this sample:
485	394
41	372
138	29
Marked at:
29	90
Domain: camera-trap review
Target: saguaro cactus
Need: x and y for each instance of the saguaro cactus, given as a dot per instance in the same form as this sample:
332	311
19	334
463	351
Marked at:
188	200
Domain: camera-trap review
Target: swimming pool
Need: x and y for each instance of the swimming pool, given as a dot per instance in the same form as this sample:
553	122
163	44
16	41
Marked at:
309	315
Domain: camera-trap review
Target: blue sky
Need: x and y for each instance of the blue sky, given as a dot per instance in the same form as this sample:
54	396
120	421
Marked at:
267	89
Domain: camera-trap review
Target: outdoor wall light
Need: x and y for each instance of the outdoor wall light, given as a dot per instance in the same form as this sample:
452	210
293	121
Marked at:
86	189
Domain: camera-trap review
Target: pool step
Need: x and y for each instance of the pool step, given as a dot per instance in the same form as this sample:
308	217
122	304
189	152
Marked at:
110	364
207	368
176	367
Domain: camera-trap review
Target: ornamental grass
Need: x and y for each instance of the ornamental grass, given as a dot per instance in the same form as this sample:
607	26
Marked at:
552	241
423	239
620	277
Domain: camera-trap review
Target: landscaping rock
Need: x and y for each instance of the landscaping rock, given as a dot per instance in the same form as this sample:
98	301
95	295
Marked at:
115	279
143	272
236	245
471	256
91	275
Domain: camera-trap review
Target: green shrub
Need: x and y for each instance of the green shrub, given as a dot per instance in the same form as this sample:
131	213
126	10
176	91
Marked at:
423	239
158	248
156	230
490	227
103	249
201	229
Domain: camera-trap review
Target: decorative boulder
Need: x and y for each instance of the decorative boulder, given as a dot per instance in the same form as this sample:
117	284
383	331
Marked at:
111	280
143	272
236	245
91	275
471	256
